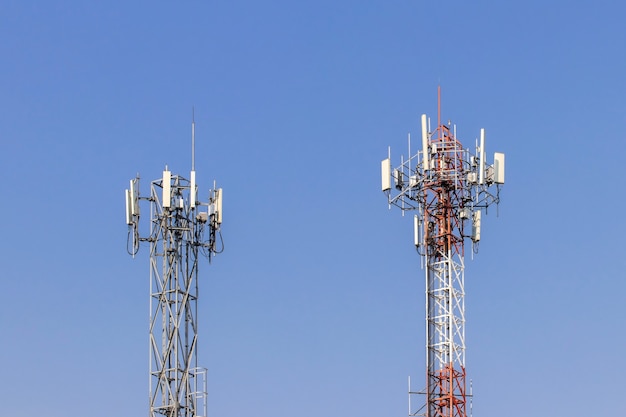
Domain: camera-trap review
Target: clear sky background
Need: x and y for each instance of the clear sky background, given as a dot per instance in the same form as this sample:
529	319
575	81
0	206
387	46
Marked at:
316	306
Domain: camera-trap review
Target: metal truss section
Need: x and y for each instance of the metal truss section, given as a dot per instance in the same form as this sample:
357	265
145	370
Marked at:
175	242
445	338
446	311
173	306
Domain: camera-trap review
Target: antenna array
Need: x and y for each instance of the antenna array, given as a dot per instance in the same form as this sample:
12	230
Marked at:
447	188
181	229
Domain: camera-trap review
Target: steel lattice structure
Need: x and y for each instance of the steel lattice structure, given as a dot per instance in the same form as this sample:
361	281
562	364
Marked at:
446	187
181	229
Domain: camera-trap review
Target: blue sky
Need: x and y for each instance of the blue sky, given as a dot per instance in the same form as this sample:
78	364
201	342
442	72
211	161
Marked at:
316	306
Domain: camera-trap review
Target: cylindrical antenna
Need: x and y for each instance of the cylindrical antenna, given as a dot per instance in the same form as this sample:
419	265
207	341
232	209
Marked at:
481	172
193	140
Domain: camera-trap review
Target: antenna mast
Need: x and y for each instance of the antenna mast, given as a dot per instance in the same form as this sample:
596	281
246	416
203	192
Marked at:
447	187
181	229
193	140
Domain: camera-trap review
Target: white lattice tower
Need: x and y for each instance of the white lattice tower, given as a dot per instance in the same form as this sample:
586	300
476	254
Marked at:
182	228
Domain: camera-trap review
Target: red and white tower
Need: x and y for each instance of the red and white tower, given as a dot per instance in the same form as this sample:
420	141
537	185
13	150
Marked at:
446	187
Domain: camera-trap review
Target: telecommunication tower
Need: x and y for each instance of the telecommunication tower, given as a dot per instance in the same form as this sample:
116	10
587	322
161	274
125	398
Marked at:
181	229
447	188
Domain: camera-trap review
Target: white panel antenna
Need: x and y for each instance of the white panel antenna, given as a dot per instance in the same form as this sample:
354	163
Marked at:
498	168
385	173
132	197
416	230
167	192
425	153
192	190
132	203
129	203
218	206
133	194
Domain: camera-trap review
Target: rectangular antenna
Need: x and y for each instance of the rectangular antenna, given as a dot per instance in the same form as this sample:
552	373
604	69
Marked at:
129	202
425	153
385	173
398	178
218	206
498	168
133	204
476	226
481	172
192	191
167	184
